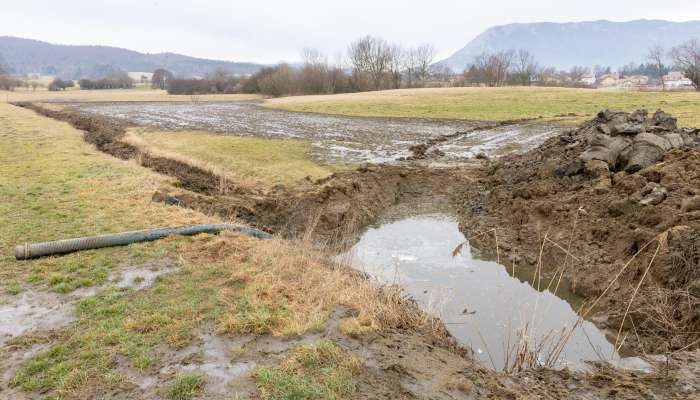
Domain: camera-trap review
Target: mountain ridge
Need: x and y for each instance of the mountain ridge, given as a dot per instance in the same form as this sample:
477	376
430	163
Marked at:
25	56
587	43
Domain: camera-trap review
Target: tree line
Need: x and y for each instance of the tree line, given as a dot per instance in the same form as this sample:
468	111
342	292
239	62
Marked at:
370	63
114	80
519	67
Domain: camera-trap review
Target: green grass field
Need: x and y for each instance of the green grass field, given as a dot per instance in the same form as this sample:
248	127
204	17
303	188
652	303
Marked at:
495	104
257	161
53	185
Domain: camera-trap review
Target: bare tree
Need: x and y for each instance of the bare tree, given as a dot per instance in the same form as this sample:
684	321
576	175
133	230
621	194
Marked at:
396	65
370	56
577	72
314	74
34	85
277	81
656	56
423	57
441	73
686	57
492	69
160	78
525	67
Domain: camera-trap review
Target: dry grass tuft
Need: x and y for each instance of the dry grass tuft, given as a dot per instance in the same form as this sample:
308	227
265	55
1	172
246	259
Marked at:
288	287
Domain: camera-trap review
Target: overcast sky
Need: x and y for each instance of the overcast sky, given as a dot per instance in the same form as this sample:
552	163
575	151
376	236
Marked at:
274	30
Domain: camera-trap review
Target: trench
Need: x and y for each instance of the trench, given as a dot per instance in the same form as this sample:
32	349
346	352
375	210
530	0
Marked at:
495	310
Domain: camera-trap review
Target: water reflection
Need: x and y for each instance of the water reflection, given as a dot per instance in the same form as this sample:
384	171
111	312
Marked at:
481	303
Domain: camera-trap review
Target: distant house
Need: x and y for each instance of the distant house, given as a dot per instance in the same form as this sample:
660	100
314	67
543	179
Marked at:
609	80
589	80
633	81
676	80
617	81
638	80
141	77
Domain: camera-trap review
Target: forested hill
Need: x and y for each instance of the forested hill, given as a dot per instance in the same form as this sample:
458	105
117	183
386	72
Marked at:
23	56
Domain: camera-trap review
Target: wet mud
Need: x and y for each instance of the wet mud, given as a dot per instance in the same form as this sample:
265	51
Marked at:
336	139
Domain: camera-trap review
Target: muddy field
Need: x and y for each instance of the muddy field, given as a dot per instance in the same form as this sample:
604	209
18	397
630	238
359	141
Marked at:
579	222
336	139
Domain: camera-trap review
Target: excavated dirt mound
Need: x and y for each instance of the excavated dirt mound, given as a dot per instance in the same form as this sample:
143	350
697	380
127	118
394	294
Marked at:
609	194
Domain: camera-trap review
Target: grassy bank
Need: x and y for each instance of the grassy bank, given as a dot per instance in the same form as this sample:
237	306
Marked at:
54	185
257	161
495	104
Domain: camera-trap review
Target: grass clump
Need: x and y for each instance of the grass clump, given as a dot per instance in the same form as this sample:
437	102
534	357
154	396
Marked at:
13	288
319	371
186	386
355	328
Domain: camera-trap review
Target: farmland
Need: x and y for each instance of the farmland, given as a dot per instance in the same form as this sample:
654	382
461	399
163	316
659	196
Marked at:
569	106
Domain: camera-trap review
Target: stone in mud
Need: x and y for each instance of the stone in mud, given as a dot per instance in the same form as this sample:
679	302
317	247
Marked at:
573	168
597	169
641	155
656	196
605	148
419	150
664	121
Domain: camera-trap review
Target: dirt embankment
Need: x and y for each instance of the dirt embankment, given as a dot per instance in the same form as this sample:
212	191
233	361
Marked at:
621	196
330	209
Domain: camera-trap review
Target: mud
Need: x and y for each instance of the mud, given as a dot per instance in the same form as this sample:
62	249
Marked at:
397	365
37	310
604	218
335	139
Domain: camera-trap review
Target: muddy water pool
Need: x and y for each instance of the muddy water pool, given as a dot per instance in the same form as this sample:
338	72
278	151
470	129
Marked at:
484	305
335	139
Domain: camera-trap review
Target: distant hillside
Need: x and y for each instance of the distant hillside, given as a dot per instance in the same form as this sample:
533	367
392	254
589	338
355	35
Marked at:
23	56
564	45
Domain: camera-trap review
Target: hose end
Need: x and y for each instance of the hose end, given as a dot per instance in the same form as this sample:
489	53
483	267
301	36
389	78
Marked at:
21	252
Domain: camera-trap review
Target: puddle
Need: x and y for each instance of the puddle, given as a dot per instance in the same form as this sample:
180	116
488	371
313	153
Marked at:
215	357
140	278
32	310
335	139
38	310
483	305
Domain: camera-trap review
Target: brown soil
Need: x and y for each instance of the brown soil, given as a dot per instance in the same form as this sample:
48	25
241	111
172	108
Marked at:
604	218
596	215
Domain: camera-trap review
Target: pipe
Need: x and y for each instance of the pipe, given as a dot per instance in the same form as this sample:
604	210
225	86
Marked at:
35	250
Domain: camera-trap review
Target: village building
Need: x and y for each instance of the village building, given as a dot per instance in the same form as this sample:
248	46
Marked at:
676	80
608	80
589	80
